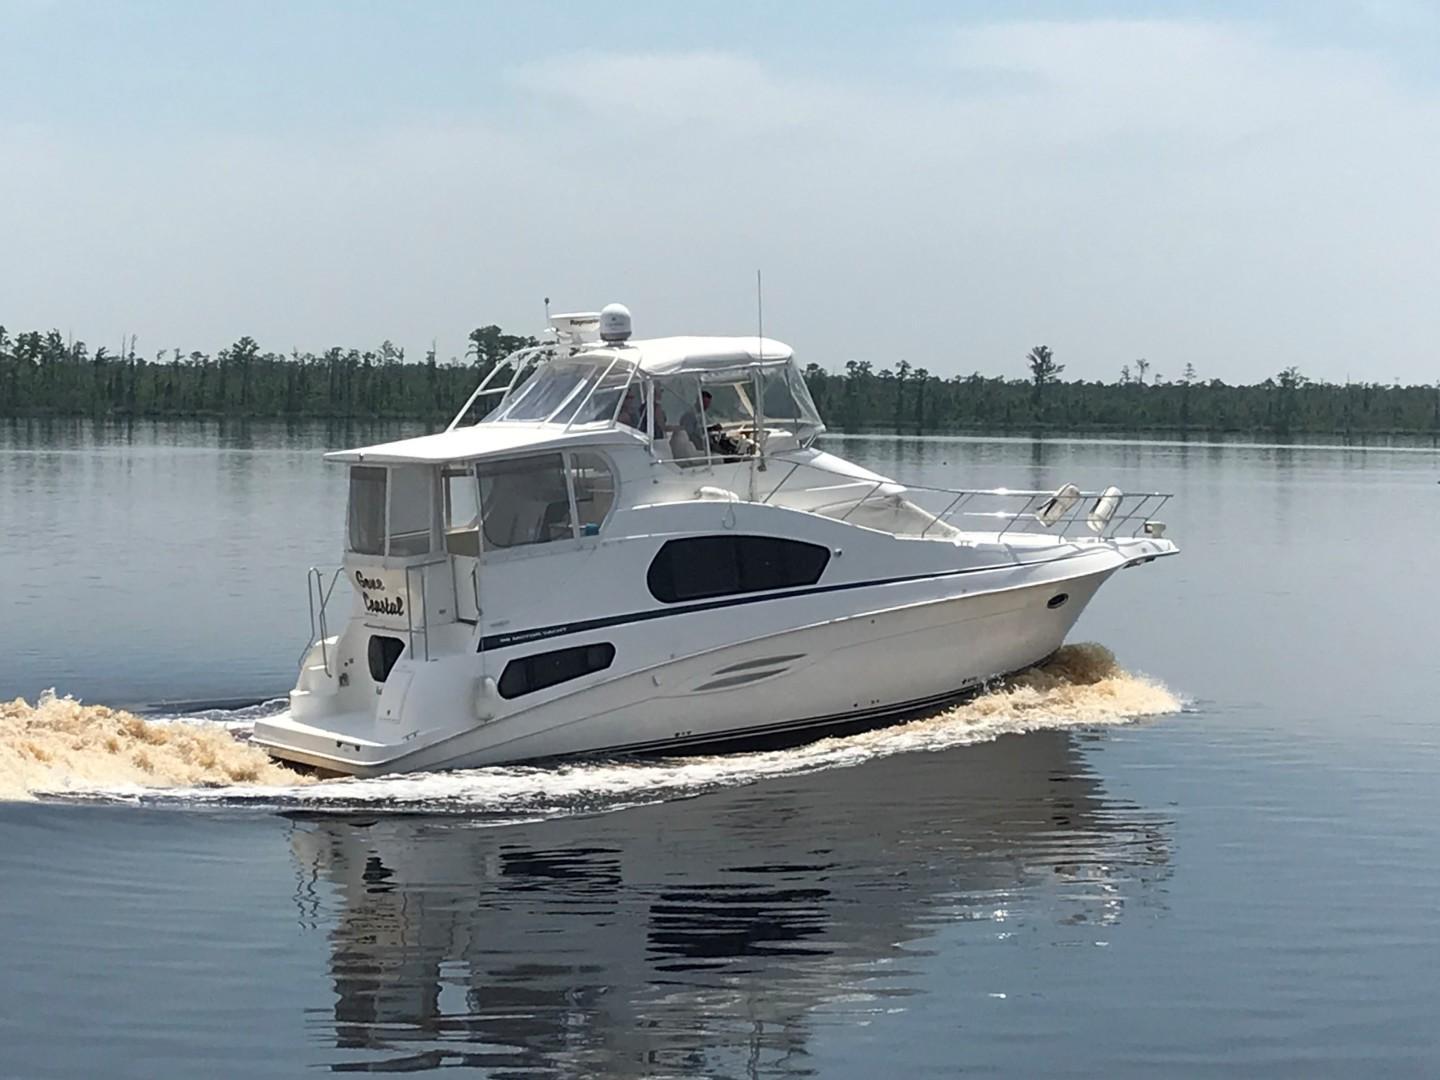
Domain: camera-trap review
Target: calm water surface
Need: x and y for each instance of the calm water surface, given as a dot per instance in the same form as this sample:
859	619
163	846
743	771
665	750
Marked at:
1246	887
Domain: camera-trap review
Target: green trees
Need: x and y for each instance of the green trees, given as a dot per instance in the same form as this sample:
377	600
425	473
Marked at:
488	345
43	373
1043	371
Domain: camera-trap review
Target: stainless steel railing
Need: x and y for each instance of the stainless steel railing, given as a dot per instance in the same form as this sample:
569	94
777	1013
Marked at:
424	628
1007	509
317	592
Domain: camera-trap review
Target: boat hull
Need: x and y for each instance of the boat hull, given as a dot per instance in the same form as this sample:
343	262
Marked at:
841	673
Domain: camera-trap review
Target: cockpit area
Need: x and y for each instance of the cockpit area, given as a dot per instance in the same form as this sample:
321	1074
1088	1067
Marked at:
696	400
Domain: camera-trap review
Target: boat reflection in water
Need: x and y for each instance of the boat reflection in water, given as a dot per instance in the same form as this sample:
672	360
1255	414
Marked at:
714	934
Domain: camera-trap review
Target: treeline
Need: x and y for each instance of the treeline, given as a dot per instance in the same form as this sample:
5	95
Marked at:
906	400
46	375
43	374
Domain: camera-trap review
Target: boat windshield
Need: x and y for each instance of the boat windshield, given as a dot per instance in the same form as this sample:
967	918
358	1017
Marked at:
710	402
574	390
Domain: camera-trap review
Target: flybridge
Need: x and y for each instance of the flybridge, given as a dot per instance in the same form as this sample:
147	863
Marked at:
698	399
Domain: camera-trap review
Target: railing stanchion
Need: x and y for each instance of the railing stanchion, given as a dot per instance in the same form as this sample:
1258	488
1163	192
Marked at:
424	616
940	517
873	489
777	487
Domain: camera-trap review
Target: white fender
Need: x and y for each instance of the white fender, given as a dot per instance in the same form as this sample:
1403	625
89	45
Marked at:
487	698
1055	507
1104	509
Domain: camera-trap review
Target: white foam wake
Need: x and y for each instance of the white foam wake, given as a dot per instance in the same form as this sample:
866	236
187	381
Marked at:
61	748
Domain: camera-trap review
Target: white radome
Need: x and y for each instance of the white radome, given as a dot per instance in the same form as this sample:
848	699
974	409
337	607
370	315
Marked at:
614	323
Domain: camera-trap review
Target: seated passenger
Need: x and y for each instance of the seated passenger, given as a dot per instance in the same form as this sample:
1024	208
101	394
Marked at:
692	424
711	436
632	409
632	413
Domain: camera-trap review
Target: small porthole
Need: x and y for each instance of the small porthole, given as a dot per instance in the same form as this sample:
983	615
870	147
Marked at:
1058	600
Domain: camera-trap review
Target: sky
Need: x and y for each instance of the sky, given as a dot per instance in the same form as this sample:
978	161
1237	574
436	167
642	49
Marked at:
1241	187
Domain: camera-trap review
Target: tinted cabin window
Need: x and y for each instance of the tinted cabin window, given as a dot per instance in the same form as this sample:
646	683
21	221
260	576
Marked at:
705	566
382	654
367	509
410	490
531	673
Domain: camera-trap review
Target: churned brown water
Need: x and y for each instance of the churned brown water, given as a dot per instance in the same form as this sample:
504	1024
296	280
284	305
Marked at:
61	748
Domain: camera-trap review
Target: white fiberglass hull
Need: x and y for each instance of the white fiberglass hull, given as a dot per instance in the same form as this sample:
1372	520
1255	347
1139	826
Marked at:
836	671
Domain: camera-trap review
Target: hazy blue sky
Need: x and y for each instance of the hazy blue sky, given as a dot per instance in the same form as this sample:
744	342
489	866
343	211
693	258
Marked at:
1238	186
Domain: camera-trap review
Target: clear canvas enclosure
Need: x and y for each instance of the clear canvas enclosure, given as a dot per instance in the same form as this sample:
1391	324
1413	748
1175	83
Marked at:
390	510
572	391
735	412
367	509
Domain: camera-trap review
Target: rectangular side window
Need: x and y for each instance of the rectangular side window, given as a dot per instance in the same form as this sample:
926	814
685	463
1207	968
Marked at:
524	501
367	509
462	512
594	489
410	489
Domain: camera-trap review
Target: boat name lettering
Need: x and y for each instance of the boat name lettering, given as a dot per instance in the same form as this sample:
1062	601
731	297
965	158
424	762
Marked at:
381	605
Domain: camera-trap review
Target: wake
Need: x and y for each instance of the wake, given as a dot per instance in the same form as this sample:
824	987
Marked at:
59	748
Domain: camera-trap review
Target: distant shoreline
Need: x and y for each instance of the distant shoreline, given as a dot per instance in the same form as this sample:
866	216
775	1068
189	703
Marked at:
1028	431
45	375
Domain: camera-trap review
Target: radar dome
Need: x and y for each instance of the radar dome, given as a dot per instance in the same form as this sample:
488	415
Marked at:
615	322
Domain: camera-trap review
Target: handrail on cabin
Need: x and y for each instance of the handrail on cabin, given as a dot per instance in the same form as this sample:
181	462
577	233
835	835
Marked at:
1130	507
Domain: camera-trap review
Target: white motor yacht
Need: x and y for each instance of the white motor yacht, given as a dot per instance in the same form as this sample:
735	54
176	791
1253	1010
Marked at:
639	548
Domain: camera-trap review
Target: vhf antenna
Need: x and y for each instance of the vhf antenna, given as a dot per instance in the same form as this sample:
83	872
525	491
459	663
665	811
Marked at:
760	356
759	316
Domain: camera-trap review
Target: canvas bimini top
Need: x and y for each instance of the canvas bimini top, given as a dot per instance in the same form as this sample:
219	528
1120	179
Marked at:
695	355
568	394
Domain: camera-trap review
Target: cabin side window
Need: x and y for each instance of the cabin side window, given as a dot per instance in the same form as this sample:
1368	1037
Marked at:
462	511
700	567
527	674
367	509
397	497
410	512
524	501
594	483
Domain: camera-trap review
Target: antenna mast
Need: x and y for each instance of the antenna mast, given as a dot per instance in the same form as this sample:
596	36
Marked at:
759	316
759	381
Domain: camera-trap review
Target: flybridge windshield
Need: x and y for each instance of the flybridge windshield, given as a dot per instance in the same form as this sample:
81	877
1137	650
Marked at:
762	401
568	391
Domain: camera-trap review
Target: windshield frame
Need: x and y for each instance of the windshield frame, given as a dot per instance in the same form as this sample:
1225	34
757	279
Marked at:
606	374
